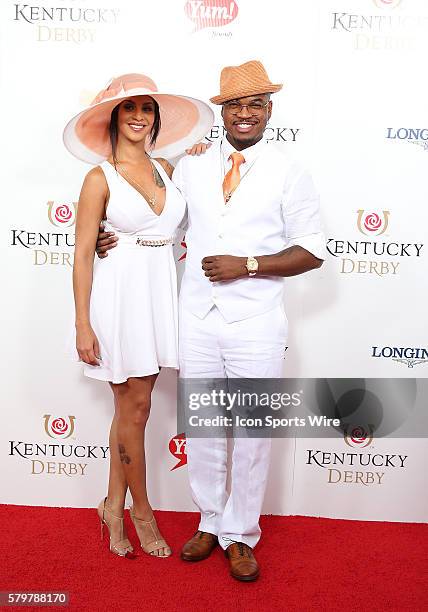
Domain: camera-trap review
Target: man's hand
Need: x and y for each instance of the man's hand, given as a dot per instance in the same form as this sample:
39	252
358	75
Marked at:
224	267
199	148
105	242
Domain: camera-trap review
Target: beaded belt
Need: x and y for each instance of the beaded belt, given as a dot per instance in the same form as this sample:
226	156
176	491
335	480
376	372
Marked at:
154	243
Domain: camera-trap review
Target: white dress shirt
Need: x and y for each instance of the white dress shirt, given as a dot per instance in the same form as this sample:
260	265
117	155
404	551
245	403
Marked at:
274	207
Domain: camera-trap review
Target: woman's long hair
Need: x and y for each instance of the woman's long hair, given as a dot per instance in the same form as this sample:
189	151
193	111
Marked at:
113	130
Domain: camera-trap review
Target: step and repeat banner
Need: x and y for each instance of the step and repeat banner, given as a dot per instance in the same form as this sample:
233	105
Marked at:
353	108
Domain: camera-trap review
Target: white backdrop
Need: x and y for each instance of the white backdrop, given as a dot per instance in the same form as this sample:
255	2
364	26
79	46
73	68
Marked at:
353	108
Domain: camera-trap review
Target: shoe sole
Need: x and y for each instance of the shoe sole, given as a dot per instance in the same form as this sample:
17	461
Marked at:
245	578
194	559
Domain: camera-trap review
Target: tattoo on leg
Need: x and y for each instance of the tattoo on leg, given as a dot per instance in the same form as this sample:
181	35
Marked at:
158	178
123	456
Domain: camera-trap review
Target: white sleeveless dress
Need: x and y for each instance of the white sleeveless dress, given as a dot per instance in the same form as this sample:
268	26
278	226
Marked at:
133	307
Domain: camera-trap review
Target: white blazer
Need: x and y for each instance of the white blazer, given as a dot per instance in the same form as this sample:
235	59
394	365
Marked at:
275	206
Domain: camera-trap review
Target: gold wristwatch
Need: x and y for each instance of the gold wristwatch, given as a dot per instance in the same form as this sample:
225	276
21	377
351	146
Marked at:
252	266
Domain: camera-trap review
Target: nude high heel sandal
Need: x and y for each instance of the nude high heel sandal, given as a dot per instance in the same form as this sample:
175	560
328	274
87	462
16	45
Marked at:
150	536
122	547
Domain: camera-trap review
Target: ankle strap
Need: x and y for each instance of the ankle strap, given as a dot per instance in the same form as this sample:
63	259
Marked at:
106	509
131	511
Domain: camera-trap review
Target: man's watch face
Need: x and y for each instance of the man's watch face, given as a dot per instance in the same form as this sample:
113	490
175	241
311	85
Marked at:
252	264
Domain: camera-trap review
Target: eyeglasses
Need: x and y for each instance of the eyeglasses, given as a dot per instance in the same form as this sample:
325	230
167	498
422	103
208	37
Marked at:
252	107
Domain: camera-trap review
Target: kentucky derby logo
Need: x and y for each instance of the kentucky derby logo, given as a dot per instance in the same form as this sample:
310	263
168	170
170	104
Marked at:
358	436
211	13
387	3
177	448
371	224
65	24
62	215
59	427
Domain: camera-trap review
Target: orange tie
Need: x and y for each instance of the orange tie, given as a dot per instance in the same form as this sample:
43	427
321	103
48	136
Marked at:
232	178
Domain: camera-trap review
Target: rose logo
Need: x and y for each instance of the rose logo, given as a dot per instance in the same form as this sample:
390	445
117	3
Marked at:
59	427
62	215
357	436
387	3
371	223
177	448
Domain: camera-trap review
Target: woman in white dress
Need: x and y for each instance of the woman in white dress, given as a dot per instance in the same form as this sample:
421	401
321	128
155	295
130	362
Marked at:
126	304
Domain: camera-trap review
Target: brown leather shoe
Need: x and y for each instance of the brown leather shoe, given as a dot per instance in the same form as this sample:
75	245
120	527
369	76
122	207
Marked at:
242	562
199	547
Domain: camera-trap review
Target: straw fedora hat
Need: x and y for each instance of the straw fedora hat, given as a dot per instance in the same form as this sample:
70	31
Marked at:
248	79
184	120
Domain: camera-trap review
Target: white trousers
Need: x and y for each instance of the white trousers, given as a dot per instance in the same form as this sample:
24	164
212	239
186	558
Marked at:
213	348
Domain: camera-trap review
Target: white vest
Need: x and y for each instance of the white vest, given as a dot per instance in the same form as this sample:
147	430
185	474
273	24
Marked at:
252	223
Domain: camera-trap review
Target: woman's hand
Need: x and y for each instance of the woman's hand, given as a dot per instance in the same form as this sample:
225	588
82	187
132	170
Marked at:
87	345
199	148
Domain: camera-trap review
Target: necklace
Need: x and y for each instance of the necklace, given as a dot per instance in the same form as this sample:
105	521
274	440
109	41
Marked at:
150	200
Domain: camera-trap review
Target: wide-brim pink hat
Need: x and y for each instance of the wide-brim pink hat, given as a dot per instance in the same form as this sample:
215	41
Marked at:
184	120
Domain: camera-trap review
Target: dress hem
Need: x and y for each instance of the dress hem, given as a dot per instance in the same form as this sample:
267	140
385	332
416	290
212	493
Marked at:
118	381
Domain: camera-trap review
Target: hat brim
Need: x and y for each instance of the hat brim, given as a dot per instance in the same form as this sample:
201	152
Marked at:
184	121
244	93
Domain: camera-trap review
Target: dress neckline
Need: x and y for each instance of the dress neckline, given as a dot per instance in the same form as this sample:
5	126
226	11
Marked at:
158	166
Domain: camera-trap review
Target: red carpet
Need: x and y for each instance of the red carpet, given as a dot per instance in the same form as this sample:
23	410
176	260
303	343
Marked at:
307	564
